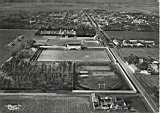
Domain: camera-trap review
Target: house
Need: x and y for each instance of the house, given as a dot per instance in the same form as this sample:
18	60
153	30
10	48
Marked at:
133	41
139	45
149	42
73	46
106	103
145	72
116	42
153	68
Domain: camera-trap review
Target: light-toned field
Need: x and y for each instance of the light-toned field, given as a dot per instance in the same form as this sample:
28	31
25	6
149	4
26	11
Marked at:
46	104
74	55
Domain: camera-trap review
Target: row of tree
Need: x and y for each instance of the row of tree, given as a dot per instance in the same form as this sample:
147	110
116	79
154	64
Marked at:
24	75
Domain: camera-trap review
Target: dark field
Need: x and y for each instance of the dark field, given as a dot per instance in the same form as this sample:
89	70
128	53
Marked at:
147	6
127	35
46	104
141	52
7	36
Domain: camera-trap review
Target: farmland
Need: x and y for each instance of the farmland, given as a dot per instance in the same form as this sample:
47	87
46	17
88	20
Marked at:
147	6
7	36
141	52
46	104
58	104
131	35
151	83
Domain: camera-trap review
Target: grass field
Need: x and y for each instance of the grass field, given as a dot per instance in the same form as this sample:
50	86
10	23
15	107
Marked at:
74	55
7	36
141	52
46	104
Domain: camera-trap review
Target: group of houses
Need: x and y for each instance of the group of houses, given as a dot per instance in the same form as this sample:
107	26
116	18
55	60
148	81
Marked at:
134	43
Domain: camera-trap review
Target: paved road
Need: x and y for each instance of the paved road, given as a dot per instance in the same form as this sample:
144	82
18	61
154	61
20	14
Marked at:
147	97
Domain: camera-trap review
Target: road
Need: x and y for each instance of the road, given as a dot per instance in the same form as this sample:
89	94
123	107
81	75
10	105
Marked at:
147	97
138	85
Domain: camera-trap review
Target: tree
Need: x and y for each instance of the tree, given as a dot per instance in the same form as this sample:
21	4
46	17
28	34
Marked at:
143	66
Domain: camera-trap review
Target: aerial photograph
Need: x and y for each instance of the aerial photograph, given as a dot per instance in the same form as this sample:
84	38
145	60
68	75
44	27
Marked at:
79	56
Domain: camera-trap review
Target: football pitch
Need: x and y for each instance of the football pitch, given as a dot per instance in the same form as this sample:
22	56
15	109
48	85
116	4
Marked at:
74	55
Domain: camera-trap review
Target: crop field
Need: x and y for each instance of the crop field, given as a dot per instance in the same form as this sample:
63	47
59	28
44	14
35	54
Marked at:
141	52
130	35
138	103
74	55
46	104
151	80
151	85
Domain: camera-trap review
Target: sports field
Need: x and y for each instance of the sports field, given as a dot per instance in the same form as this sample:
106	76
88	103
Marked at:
45	104
74	55
101	78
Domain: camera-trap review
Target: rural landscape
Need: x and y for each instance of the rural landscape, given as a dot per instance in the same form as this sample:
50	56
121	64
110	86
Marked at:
79	56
